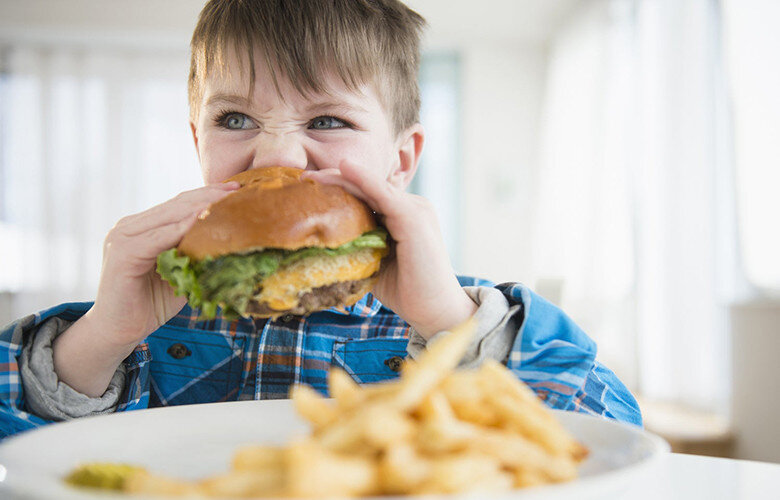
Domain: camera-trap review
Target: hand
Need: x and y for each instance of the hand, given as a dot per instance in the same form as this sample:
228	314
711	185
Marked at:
132	300
417	281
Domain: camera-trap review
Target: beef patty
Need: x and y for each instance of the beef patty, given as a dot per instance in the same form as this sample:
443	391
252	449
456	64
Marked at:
320	298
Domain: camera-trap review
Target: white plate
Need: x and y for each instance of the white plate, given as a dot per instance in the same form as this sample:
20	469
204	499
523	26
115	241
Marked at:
198	440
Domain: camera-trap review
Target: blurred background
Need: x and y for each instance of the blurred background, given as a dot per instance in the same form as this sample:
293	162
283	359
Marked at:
621	157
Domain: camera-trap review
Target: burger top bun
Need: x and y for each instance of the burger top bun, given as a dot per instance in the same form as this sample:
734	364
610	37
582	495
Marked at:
274	208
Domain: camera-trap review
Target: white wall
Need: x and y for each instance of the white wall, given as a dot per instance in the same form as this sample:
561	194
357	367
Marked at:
164	24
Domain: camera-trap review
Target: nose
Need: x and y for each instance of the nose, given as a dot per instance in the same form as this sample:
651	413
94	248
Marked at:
279	150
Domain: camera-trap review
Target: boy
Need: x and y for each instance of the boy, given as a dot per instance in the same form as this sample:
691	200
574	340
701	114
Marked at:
329	87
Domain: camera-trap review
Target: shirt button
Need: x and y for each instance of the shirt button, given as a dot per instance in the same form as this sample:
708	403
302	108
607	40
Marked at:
179	351
395	363
287	318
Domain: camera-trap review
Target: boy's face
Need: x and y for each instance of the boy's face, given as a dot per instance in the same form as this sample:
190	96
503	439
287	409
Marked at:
313	132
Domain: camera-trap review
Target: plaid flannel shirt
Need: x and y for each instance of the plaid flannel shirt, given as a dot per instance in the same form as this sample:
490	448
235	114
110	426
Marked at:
188	361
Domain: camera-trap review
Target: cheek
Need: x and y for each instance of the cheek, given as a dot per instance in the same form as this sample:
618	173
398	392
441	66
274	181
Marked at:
364	153
221	159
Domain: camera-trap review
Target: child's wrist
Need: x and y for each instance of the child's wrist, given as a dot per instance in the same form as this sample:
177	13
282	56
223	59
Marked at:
99	330
454	312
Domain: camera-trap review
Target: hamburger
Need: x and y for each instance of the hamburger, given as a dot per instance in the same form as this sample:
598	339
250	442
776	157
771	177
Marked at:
277	245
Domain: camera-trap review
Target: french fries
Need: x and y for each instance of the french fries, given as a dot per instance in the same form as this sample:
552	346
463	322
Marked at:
433	431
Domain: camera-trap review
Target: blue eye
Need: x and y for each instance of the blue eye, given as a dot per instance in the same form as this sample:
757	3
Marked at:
236	121
326	123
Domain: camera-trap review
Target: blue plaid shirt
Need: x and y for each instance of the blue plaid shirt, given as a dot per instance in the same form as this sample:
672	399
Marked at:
187	361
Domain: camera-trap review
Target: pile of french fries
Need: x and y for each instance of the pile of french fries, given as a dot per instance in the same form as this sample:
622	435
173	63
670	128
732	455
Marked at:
434	430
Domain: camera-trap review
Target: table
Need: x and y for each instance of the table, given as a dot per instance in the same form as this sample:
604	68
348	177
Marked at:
693	477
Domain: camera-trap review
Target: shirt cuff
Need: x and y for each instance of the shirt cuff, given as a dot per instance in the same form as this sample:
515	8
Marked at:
45	394
497	327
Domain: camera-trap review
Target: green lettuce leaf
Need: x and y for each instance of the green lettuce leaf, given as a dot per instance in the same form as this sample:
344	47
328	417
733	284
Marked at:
231	281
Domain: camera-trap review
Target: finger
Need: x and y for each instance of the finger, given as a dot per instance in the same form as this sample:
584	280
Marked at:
142	250
164	237
403	214
386	198
406	216
361	182
174	210
374	185
333	177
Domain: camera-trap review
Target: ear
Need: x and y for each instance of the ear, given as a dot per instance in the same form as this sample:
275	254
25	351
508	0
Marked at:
194	129
409	146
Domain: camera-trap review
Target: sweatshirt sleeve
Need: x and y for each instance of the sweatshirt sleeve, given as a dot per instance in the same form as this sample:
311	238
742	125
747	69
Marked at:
47	396
31	394
496	329
544	348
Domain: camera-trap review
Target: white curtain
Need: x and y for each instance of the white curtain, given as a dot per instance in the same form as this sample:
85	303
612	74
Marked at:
635	210
751	41
88	136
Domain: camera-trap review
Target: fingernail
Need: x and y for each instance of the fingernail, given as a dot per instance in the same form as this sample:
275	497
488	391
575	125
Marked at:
232	184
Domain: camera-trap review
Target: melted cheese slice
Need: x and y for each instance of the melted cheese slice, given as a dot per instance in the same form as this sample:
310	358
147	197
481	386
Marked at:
282	289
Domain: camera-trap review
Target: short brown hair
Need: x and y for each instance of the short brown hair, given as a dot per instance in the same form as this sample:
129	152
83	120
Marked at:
360	41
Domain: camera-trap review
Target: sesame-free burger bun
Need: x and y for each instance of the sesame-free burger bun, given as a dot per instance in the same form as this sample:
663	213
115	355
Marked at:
274	208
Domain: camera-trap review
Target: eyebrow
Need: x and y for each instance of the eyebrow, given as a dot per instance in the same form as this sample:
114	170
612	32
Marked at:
228	99
326	105
335	106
